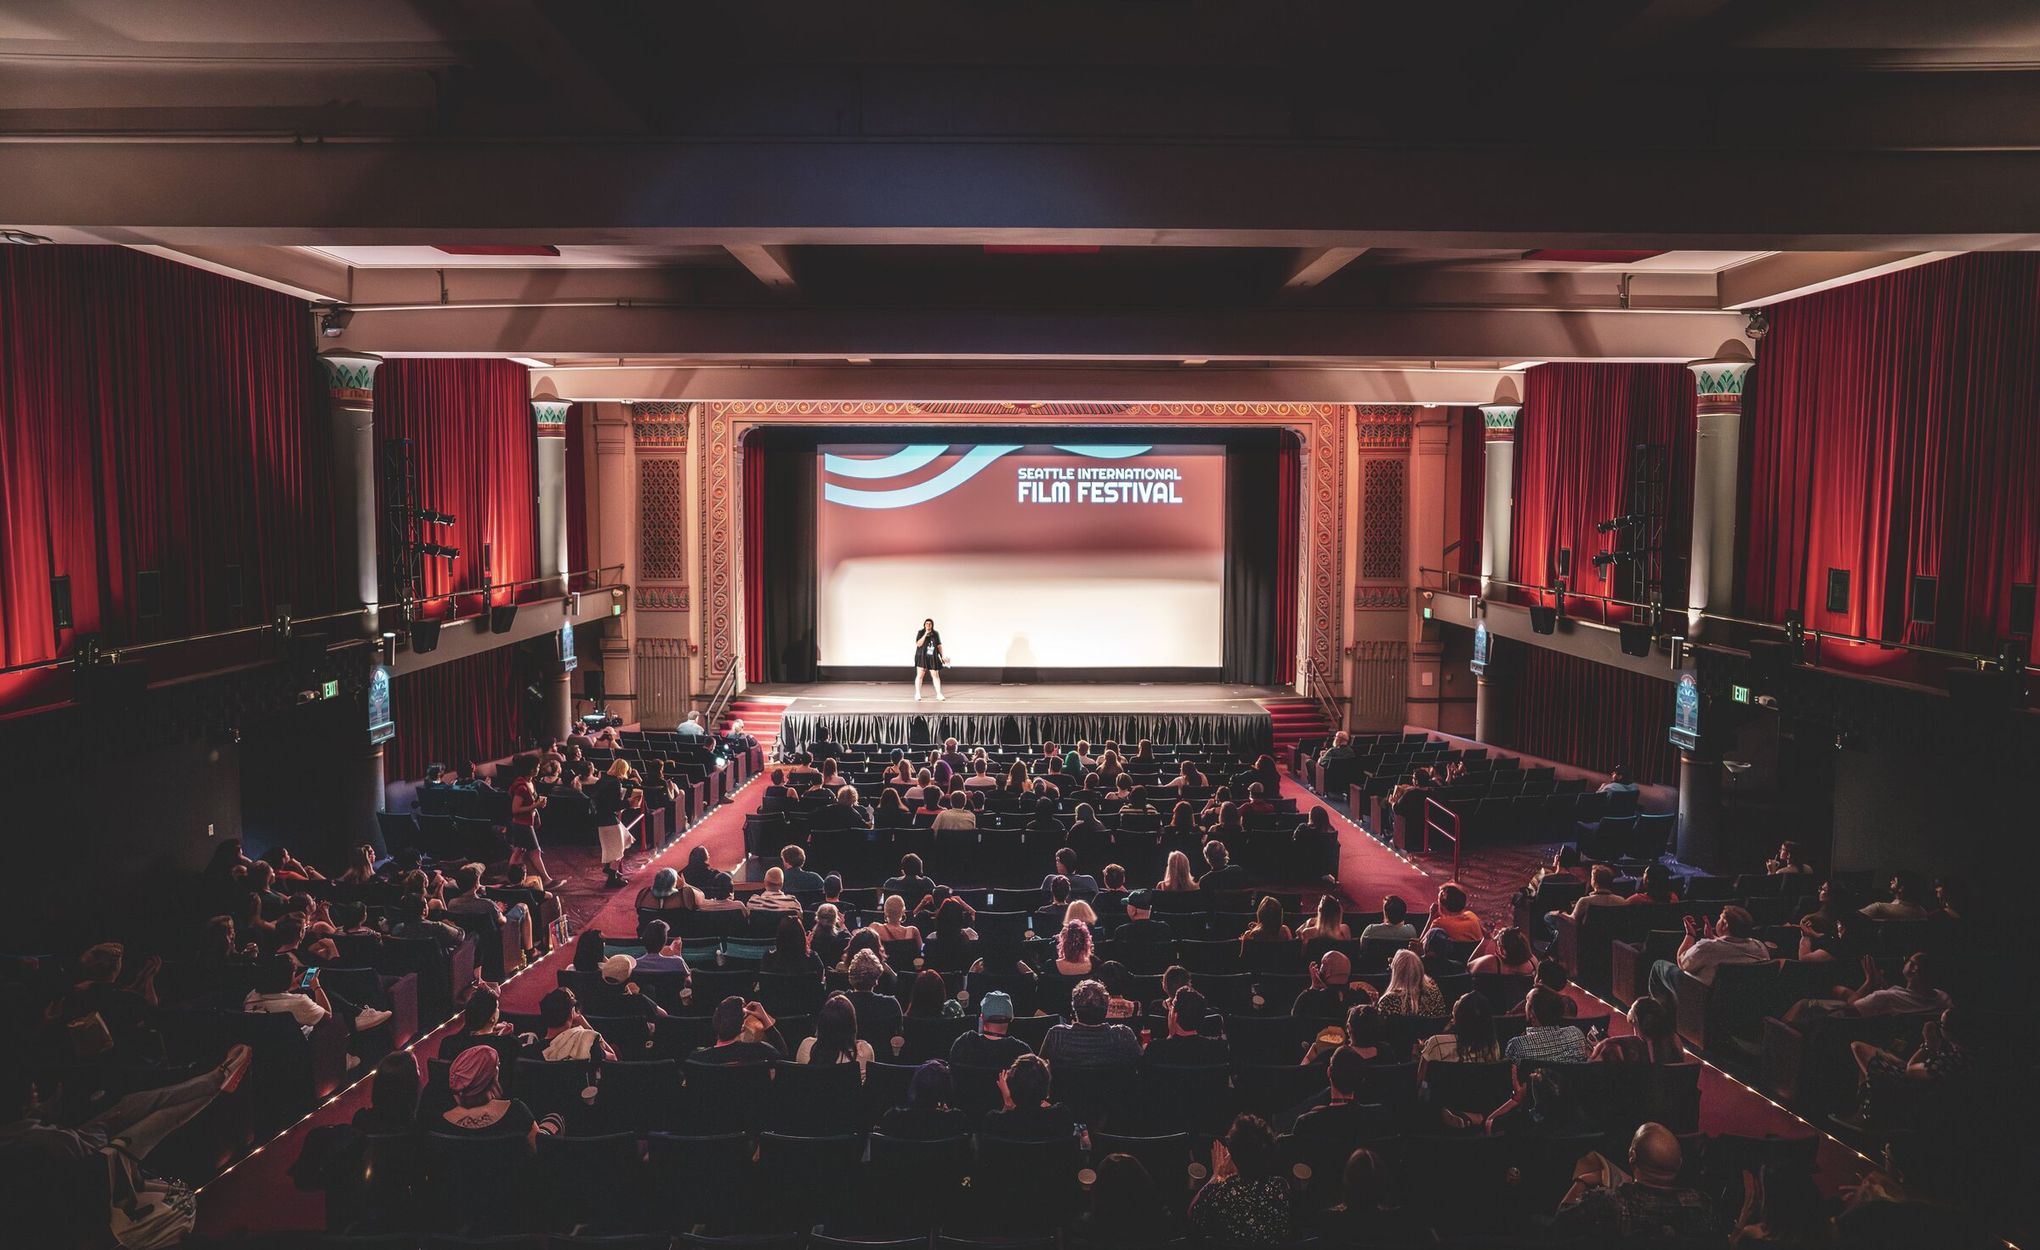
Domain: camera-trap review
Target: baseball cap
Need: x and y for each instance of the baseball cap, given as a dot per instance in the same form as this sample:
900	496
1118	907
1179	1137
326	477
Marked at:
617	969
997	1005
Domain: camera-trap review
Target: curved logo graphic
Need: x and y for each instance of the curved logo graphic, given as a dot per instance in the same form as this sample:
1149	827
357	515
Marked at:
910	459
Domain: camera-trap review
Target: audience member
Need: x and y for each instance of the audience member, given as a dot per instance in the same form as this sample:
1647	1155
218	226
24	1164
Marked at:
1091	1040
835	1039
1027	1114
1394	925
1705	948
1411	991
1645	1204
1246	1201
1548	1038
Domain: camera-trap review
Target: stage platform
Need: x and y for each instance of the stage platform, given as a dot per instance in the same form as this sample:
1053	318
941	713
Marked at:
885	712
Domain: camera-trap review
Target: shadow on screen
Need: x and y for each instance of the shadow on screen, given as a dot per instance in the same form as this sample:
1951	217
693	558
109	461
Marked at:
1020	662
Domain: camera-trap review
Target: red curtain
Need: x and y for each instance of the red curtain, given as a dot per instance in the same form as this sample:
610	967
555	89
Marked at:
463	709
154	417
577	488
1595	716
1892	432
1288	543
1573	446
477	459
1472	449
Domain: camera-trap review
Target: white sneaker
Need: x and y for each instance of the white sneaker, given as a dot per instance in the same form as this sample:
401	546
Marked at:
917	698
369	1018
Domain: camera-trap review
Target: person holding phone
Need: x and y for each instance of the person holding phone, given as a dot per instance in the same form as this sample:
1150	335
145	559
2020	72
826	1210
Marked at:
928	659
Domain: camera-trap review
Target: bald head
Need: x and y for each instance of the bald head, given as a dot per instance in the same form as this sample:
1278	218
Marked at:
1655	1156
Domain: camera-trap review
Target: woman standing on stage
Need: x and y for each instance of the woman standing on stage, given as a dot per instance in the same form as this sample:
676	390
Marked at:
928	660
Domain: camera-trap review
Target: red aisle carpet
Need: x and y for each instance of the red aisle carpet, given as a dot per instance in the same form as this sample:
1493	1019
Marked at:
257	1195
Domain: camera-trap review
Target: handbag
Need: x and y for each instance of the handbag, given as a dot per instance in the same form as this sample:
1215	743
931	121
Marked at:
148	1211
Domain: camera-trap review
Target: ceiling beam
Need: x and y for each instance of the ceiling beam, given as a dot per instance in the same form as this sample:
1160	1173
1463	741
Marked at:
290	270
1789	275
767	263
782	333
1314	265
1295	194
1018	383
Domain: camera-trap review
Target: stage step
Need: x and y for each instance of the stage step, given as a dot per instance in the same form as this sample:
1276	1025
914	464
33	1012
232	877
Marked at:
1292	721
761	717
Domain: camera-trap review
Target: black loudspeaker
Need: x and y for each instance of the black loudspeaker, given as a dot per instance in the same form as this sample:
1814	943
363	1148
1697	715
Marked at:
60	603
1838	590
594	686
1565	561
1924	591
2022	609
502	617
149	594
1768	661
424	637
1636	638
1543	620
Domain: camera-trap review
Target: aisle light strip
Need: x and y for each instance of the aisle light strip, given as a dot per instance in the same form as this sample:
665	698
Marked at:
365	1071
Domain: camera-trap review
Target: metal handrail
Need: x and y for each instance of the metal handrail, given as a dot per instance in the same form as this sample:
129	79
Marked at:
725	690
117	651
1326	705
1809	632
1456	833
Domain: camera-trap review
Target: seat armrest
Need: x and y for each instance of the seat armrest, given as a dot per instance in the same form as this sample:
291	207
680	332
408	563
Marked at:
1629	969
1565	940
1695	997
1784	1057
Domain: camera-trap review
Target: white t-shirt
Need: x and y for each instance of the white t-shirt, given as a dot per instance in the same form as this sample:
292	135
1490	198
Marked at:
956	818
807	1049
980	781
1707	954
299	1007
1897	998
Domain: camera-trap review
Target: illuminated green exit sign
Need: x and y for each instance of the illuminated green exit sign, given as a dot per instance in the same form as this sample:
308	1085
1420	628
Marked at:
331	690
1741	694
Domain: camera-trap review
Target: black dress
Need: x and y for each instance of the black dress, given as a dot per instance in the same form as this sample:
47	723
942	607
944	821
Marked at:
928	651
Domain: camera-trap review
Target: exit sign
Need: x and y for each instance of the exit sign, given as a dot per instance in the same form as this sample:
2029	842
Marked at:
616	609
1741	694
1427	614
331	690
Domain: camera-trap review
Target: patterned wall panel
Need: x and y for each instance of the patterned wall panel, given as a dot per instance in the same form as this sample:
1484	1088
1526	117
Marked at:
659	425
1380	674
662	532
661	674
722	551
1383	505
1325	530
1384	427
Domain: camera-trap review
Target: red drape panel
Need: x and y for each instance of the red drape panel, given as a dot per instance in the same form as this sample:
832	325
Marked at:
577	488
463	709
154	417
754	564
1595	716
1288	544
1892	431
1572	467
1472	432
477	459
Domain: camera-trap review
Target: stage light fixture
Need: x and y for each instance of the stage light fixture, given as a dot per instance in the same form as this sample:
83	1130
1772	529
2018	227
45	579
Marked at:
1795	638
439	550
333	319
430	517
1612	524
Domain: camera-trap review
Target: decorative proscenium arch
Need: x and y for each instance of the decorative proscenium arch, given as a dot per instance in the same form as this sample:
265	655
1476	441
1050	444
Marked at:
1322	429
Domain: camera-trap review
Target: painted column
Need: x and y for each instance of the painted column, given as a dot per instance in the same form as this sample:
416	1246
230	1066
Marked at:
1498	451
1717	450
350	389
550	417
1430	441
1699	834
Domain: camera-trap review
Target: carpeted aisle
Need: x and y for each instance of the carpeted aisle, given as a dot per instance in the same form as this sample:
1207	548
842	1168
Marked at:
257	1195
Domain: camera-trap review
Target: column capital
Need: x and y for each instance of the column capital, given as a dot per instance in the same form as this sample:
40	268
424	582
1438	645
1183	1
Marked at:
1499	421
1719	383
350	376
550	416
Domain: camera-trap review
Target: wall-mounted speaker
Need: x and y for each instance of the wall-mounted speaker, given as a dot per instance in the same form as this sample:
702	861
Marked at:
1543	620
149	594
1924	591
60	603
502	618
424	637
1636	637
1565	561
2022	609
1838	590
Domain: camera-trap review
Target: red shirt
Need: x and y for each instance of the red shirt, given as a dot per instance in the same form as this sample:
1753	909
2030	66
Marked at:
522	791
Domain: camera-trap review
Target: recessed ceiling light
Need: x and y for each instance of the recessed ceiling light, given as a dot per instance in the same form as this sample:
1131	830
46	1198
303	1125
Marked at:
24	238
1198	360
